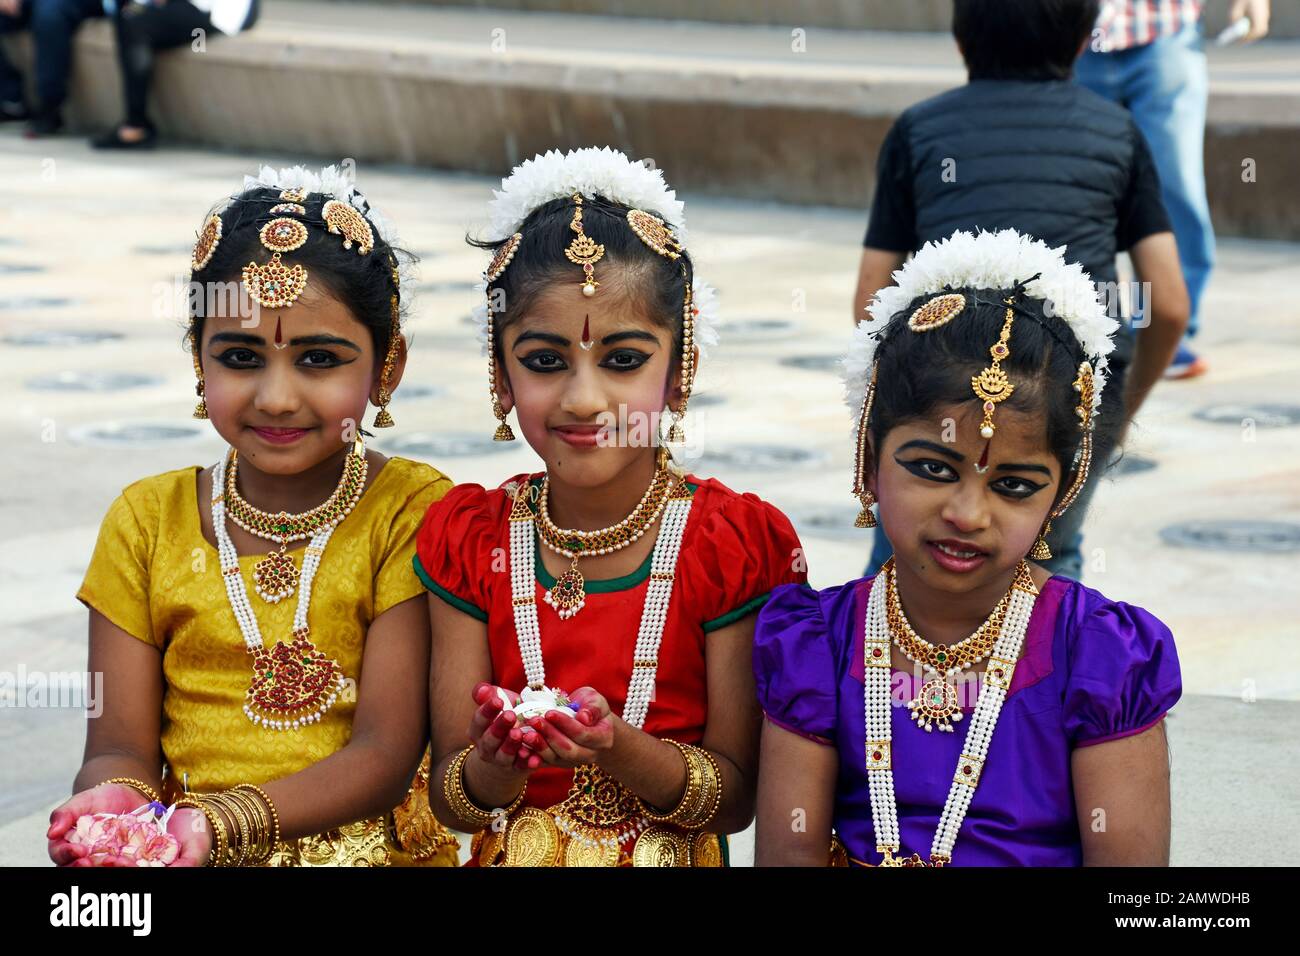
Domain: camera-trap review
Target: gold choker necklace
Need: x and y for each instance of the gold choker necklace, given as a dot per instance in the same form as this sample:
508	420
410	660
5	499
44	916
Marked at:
568	596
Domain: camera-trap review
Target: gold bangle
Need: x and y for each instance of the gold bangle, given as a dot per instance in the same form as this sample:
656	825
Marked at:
689	795
702	795
259	847
247	827
135	784
230	824
453	790
275	817
217	852
711	800
241	822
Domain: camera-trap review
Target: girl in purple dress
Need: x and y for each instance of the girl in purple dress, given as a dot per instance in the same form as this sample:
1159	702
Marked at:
964	691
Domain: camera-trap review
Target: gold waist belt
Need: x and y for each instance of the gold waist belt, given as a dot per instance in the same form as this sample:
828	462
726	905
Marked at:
600	823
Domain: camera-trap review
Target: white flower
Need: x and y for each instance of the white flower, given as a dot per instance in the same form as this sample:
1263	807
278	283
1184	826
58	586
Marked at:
592	171
989	260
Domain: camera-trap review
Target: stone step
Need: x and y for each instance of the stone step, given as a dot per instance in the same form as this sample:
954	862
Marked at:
905	15
732	110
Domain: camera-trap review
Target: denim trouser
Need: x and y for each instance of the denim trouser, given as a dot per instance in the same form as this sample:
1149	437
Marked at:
53	24
1165	86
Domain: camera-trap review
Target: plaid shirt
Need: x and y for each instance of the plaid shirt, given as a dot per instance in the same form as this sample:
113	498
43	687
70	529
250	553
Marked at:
1124	24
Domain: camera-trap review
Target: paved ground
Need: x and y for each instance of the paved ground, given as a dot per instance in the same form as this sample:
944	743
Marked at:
90	243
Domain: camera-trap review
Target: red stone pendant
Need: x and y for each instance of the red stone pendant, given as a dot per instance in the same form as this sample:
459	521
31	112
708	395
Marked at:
275	577
568	596
937	704
293	685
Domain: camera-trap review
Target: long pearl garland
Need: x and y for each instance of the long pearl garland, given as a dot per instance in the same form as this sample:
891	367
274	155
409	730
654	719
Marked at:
237	593
879	730
645	658
654	614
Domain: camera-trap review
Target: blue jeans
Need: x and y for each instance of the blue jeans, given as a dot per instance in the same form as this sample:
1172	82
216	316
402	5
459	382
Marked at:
1165	86
53	24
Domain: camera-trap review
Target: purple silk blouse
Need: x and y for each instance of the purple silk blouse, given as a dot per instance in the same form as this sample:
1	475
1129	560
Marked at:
1091	670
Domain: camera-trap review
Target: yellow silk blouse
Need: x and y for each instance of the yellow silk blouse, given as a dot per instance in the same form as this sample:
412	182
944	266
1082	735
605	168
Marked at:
156	577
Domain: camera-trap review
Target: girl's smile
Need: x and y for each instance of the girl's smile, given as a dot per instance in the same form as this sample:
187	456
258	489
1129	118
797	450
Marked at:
279	436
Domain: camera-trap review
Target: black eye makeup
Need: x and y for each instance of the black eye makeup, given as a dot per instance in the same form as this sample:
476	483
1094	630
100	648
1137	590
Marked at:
543	360
320	358
239	358
1017	488
930	469
625	360
1012	487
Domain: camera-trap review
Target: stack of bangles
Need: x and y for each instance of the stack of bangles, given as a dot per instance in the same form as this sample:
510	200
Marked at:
453	789
703	793
245	827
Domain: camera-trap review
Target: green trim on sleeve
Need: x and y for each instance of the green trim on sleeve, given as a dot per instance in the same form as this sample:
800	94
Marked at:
731	617
459	604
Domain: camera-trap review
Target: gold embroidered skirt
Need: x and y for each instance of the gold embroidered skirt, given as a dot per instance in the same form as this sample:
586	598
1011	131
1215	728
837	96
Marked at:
533	837
406	836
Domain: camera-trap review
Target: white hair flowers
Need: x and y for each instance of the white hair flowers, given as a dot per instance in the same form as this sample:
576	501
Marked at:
989	260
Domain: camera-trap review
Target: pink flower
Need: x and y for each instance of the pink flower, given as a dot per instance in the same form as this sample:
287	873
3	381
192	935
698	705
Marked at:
138	837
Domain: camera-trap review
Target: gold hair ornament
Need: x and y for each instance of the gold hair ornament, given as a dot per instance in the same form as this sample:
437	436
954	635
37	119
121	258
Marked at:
583	250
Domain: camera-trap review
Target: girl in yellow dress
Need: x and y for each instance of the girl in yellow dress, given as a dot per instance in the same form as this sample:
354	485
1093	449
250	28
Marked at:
276	693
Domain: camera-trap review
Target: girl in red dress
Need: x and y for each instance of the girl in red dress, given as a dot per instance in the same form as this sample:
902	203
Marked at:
611	575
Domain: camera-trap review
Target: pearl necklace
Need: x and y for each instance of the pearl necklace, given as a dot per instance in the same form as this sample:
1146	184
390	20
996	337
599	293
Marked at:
879	732
589	799
293	684
569	595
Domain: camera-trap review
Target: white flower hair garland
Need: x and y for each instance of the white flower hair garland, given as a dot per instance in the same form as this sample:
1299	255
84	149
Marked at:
592	171
989	260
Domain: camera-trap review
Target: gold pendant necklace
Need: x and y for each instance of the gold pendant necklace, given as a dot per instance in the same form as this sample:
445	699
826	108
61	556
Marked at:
275	577
569	595
939	703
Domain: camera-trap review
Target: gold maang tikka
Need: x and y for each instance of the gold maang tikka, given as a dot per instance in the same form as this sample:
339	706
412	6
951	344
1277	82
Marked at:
496	268
657	235
276	285
992	385
584	250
